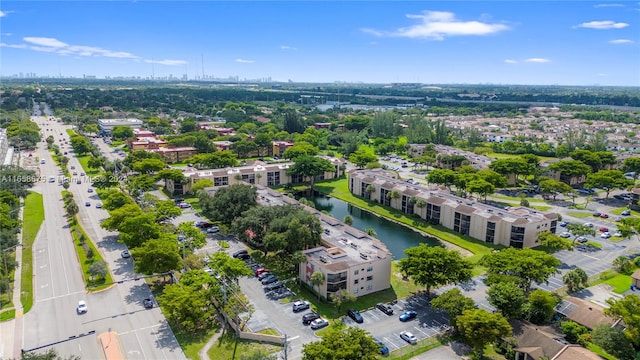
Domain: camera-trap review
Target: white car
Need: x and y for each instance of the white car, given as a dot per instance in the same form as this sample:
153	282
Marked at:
319	323
565	235
605	235
82	307
588	224
409	337
618	234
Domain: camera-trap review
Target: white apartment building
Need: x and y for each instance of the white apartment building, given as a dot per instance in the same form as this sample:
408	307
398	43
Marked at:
349	259
107	125
514	226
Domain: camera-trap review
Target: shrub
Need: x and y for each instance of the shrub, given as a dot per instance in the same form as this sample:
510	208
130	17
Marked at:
573	331
613	341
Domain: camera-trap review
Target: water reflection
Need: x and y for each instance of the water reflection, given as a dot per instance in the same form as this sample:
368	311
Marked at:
396	237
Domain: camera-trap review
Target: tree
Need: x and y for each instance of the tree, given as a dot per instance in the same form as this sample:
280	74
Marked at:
622	264
309	167
292	122
95	162
371	231
541	306
99	269
214	160
66	185
104	181
453	303
570	168
228	203
199	185
481	187
342	297
608	180
148	166
480	328
156	256
575	280
444	177
627	310
555	187
166	210
511	166
554	242
135	231
317	279
573	331
507	297
434	266
493	178
524	266
122	132
342	344
228	267
632	165
348	220
50	140
115	199
51	354
80	144
300	149
16	180
580	230
613	342
193	237
362	157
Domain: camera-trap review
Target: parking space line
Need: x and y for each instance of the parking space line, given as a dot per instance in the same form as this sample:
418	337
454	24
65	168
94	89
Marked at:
420	330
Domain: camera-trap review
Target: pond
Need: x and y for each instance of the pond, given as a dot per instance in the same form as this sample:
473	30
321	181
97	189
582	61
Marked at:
396	237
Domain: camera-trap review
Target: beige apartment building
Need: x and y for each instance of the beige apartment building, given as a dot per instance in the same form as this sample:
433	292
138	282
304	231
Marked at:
349	259
258	173
514	226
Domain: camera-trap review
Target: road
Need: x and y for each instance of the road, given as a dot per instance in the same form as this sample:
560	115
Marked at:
58	285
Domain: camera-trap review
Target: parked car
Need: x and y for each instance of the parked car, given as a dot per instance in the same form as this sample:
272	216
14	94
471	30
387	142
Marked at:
309	317
82	307
605	235
596	214
125	254
408	315
269	279
564	224
240	252
409	337
213	230
184	205
274	286
264	275
148	303
260	270
205	225
581	239
384	350
319	323
355	315
565	234
588	224
603	229
617	233
626	213
604	216
385	308
300	305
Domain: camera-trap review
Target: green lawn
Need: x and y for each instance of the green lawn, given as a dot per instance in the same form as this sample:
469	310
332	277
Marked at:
516	199
228	347
510	156
33	216
619	282
192	343
579	214
84	162
95	284
339	189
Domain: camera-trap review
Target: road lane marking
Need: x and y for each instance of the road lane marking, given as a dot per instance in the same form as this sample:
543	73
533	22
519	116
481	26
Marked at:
59	296
143	328
292	338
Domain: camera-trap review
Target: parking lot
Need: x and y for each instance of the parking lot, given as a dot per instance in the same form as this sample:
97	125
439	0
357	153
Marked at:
387	328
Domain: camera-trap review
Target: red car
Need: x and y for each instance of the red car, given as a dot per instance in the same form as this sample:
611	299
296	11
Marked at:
604	216
604	229
260	271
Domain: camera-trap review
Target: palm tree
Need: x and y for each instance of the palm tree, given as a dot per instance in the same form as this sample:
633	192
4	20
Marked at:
575	280
393	195
72	208
421	204
369	190
370	231
317	279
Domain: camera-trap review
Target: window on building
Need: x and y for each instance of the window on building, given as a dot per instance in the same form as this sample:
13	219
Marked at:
369	287
356	281
516	239
249	178
355	291
273	178
370	277
370	268
408	203
491	232
356	272
221	181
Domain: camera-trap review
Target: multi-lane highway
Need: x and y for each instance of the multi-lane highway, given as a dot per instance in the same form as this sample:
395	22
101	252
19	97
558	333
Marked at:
58	284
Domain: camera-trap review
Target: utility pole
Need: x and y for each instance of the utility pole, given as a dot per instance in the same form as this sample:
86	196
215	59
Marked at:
286	345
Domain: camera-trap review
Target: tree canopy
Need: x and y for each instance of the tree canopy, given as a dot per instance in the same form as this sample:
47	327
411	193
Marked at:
523	266
228	203
342	344
434	266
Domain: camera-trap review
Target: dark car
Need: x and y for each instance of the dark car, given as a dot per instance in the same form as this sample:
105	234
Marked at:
408	315
385	308
264	275
274	286
355	315
148	303
596	214
239	253
244	257
269	279
309	317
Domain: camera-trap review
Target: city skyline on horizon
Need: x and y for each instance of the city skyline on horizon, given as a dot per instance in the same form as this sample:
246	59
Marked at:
531	43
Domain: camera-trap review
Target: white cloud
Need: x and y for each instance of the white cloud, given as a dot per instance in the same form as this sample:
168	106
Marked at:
52	45
608	5
510	61
286	47
603	25
538	60
245	61
621	41
167	62
437	25
45	41
4	13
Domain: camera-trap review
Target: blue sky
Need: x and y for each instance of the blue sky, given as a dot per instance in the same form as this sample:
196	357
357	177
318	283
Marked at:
502	42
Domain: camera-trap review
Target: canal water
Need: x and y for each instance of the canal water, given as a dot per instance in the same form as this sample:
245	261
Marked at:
396	237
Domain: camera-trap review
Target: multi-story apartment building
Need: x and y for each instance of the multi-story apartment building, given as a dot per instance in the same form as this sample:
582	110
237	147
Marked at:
258	173
176	154
349	259
517	226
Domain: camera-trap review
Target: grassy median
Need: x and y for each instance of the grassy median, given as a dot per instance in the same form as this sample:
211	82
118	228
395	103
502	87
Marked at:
32	218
